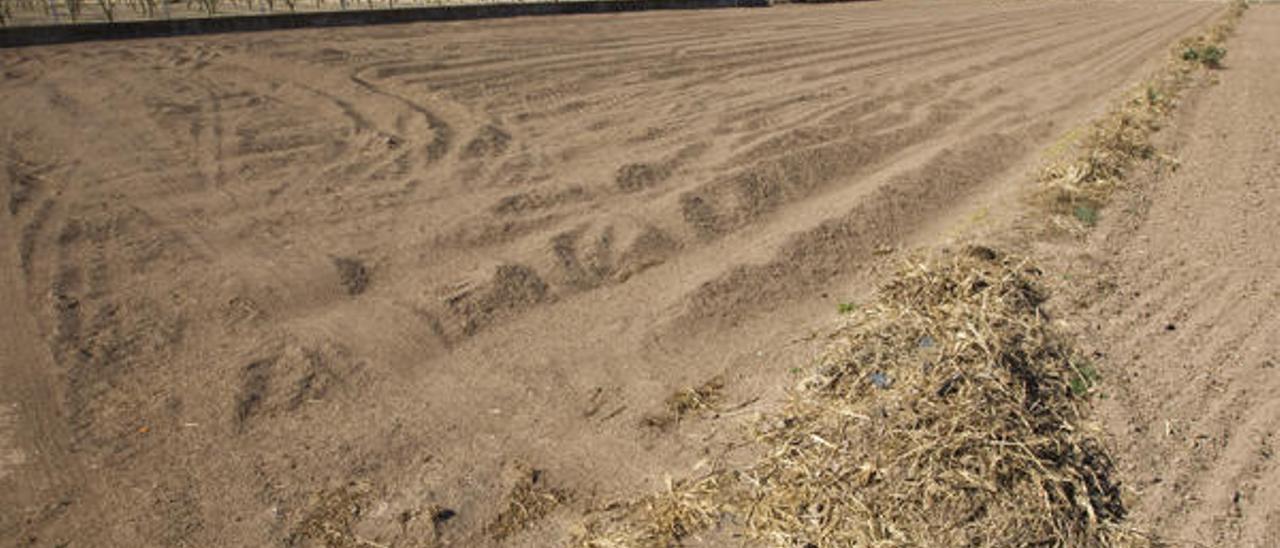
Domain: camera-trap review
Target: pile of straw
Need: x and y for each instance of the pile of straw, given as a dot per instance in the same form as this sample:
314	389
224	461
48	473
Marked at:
946	413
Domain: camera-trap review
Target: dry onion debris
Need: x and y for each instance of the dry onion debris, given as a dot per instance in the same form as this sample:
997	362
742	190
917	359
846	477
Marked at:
945	413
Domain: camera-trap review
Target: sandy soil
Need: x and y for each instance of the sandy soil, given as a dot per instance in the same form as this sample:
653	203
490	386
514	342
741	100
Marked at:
1187	330
253	281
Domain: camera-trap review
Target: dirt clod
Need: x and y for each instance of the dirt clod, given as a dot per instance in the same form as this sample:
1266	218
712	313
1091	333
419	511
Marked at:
352	275
442	515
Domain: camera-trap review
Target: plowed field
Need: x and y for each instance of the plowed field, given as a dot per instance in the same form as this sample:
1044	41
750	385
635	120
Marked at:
253	281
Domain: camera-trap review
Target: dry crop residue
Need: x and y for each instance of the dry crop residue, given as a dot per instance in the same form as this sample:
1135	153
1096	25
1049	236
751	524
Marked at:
948	412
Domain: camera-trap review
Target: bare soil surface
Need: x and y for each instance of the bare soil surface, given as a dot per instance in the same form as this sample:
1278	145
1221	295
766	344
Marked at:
434	284
1188	329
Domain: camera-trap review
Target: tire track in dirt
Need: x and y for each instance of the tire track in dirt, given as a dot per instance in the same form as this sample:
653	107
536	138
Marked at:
442	139
38	460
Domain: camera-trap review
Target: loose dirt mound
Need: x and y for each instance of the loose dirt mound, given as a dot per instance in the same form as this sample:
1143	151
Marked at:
947	413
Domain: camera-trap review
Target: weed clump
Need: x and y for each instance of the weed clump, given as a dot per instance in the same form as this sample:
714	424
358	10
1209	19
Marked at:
947	412
1086	214
1084	378
1209	55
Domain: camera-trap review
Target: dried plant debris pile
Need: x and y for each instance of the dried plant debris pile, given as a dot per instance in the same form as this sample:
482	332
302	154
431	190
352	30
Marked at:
1081	183
946	413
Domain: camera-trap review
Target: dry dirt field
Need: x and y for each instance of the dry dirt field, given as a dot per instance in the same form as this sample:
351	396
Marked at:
1188	326
253	281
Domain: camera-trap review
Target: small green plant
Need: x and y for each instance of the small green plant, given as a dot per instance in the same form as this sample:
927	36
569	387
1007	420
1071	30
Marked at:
1209	55
1159	98
1086	377
1086	214
1212	56
846	308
